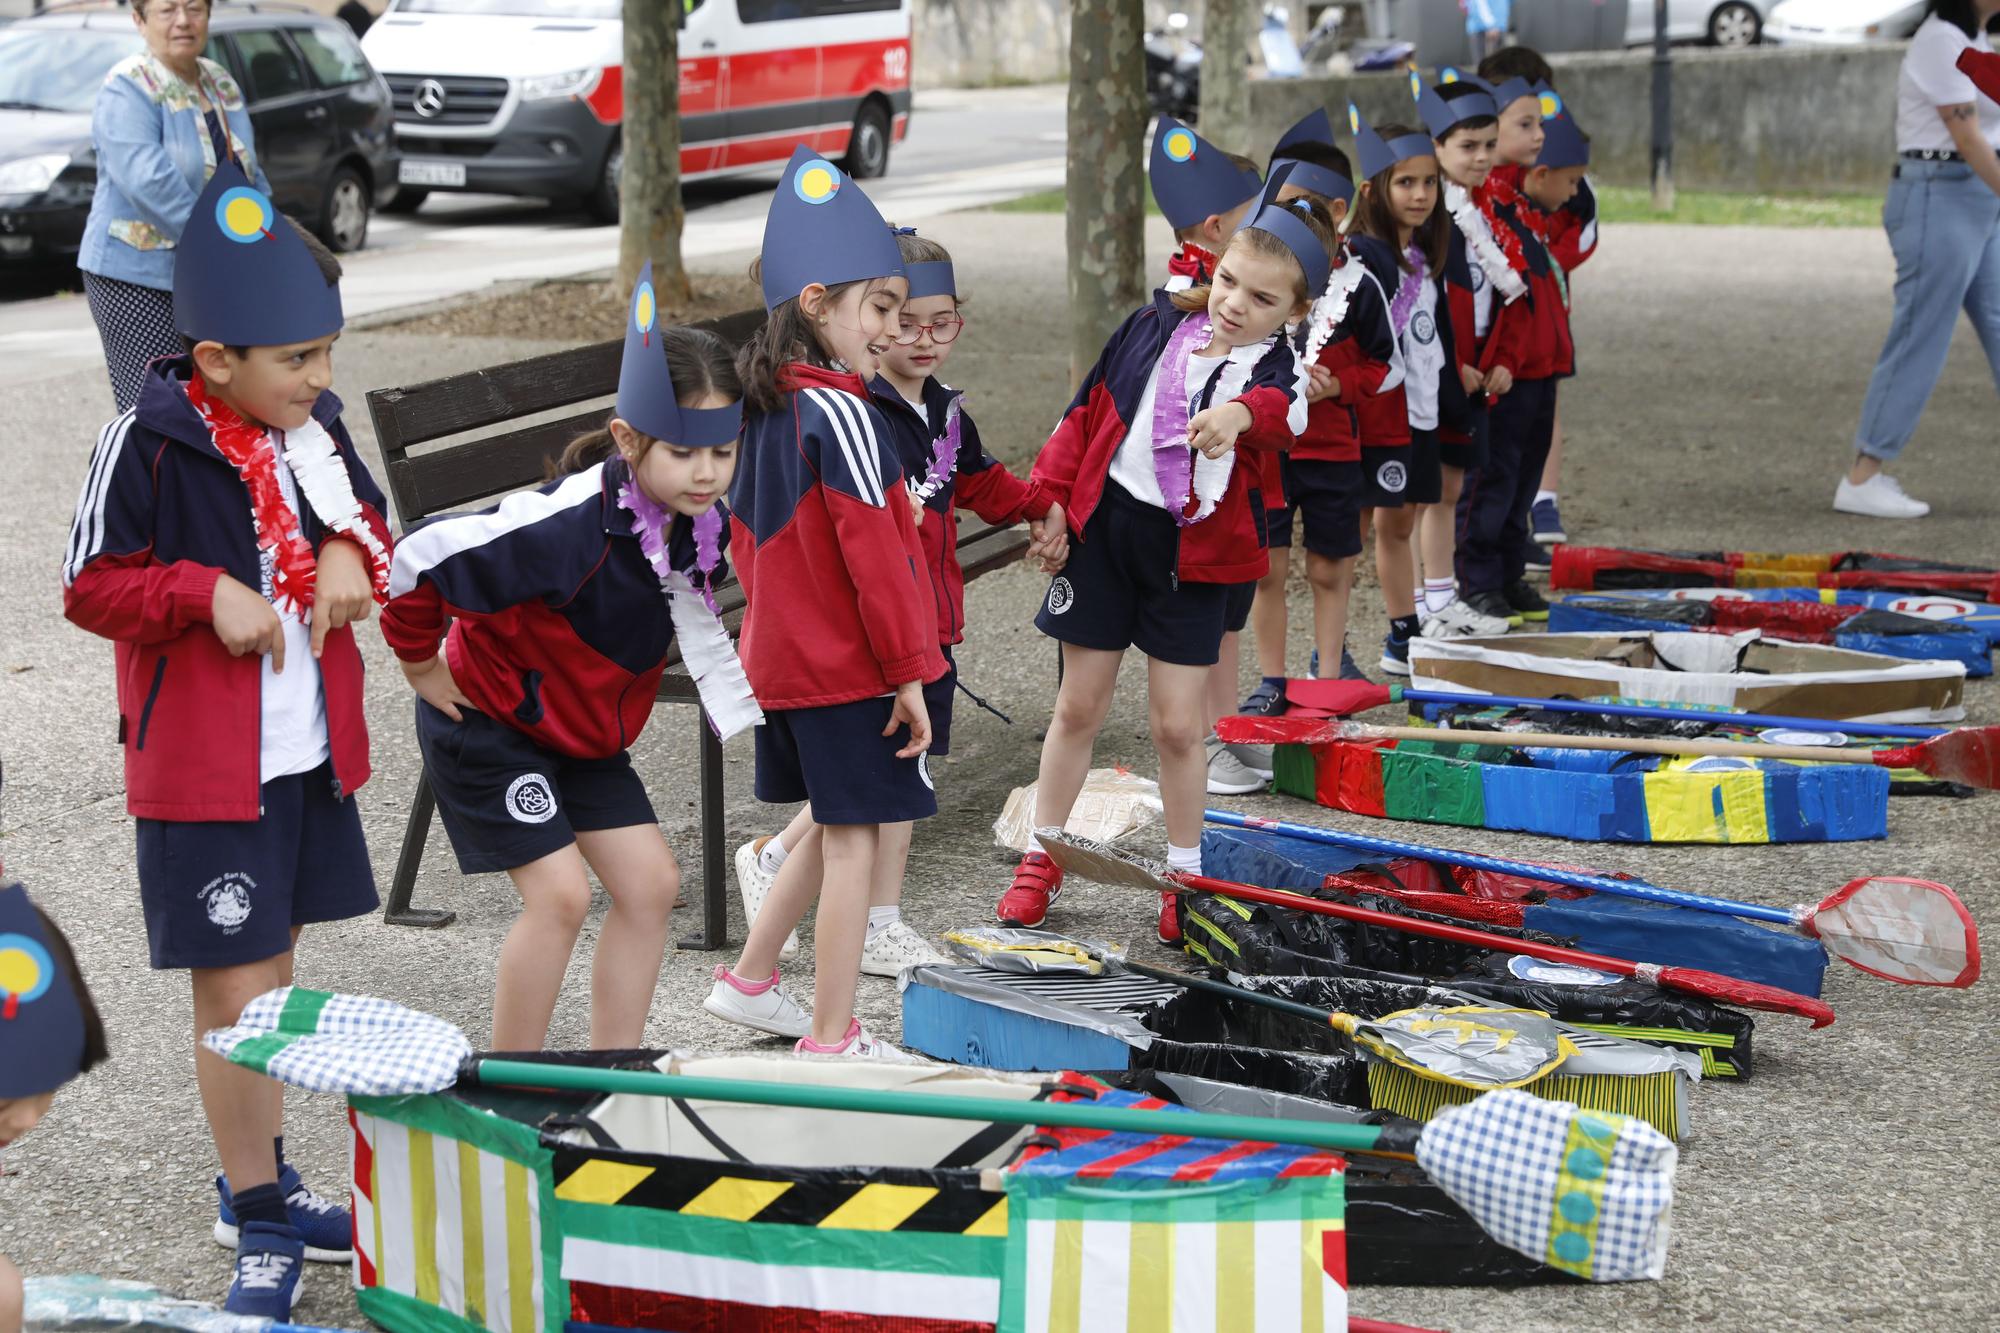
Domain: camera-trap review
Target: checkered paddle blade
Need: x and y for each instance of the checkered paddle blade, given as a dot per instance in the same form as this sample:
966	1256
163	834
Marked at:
1908	930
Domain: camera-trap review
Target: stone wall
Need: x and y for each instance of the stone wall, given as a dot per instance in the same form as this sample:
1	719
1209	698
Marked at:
983	43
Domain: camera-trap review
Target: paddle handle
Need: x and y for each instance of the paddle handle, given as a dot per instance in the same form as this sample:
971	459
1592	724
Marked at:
1376	1139
1573	879
1517	740
1323	1017
1666	714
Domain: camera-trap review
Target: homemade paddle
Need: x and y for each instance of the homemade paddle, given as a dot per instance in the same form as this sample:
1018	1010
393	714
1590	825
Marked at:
1908	930
1104	864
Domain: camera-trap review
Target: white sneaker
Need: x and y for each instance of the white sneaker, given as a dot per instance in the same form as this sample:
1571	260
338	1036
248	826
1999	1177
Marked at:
754	881
1256	758
859	1044
896	947
1457	619
770	1010
1228	775
1881	496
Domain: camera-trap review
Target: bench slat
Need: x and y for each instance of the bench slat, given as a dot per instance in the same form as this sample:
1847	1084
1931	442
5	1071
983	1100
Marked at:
478	470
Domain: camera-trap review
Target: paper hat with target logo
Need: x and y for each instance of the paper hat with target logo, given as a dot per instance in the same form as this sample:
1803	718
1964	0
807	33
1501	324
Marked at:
646	391
1377	155
1444	114
930	277
1509	91
243	277
1287	223
1563	144
41	1023
1315	128
822	228
1192	179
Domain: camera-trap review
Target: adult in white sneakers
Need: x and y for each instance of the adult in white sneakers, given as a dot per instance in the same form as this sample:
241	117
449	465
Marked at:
1943	219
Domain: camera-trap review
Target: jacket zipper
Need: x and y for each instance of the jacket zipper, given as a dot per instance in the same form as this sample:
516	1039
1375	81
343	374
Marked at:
152	697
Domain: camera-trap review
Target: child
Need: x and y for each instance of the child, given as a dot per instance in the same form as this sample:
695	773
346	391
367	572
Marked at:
239	681
1161	534
561	604
1352	356
1401	231
841	635
1204	194
1463	123
938	446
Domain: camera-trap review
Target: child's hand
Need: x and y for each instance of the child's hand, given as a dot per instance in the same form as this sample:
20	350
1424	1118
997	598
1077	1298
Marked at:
1050	546
433	683
343	592
1214	431
916	505
246	623
1470	377
1321	383
1499	380
911	712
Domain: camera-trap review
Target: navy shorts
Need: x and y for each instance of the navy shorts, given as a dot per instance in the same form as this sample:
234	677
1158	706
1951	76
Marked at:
223	894
1119	589
937	701
1396	475
1327	496
837	758
1242	596
1470	455
506	800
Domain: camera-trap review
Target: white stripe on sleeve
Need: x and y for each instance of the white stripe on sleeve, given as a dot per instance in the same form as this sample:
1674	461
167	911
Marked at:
434	543
86	536
852	449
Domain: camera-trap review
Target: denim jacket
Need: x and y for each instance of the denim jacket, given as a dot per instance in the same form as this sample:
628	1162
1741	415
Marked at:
154	155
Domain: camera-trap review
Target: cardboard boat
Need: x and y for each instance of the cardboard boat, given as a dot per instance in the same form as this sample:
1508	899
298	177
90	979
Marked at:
1611	567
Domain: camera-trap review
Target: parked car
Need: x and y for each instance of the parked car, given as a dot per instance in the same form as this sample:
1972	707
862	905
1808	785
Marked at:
525	97
322	117
1725	23
1843	22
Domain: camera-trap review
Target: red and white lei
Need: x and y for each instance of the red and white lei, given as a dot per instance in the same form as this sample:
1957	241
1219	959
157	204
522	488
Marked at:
1502	268
1330	309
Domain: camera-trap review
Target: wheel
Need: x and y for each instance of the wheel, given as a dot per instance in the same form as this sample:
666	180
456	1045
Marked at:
868	142
602	202
343	222
1734	24
406	199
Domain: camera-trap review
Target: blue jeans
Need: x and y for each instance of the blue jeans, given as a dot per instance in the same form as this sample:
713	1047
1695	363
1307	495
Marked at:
1944	228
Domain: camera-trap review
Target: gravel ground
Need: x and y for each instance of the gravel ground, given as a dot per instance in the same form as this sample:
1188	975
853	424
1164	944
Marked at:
1848	1185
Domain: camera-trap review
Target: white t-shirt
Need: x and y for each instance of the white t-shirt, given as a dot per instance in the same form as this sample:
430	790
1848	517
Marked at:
1132	465
1929	79
293	736
1424	355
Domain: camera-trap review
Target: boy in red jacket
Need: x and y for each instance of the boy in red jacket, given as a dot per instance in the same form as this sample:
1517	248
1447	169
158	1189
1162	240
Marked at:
239	682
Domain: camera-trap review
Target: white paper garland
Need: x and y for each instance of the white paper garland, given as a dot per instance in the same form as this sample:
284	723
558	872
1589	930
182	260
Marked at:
710	657
1331	308
1479	243
322	479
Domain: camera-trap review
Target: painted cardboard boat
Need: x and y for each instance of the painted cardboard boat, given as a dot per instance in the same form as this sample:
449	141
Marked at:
1610	567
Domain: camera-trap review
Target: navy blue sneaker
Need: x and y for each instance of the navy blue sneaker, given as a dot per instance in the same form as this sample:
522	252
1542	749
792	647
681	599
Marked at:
1525	600
1536	556
1547	522
1349	668
1312	665
324	1227
1395	654
1267	700
266	1285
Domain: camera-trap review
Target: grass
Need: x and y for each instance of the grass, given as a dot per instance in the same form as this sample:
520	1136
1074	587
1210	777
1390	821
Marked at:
1619	204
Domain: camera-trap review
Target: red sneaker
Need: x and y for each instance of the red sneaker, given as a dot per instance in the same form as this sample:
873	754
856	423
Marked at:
1169	932
1037	885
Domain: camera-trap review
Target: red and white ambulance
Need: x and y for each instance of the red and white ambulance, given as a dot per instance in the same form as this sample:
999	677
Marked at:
525	96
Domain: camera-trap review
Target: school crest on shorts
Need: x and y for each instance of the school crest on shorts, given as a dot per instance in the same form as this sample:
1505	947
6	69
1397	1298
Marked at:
531	799
924	770
1061	596
227	898
1392	477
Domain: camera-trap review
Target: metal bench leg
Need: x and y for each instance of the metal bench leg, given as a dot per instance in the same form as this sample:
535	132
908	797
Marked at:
399	912
714	861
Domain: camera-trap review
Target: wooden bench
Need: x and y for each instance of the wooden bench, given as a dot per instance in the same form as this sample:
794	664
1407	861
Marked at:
471	473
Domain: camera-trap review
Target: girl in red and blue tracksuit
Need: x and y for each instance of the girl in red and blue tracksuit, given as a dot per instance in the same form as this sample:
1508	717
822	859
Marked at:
1164	522
556	610
840	636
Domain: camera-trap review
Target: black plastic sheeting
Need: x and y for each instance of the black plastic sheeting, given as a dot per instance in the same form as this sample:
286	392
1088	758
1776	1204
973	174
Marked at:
1249	937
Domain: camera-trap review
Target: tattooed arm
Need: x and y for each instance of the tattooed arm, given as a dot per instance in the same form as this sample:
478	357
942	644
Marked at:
1962	119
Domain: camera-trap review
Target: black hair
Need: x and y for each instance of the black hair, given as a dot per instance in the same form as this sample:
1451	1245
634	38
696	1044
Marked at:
699	363
1521	62
1432	235
1308	210
328	262
787	334
1451	92
1963	15
1318	154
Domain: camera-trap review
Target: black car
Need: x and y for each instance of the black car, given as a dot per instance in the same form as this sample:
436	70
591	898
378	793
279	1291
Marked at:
322	116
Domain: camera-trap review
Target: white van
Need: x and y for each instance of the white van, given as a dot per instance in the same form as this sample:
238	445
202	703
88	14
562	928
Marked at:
525	96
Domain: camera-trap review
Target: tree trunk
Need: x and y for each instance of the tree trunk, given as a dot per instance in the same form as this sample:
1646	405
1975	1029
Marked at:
1106	176
1227	27
650	216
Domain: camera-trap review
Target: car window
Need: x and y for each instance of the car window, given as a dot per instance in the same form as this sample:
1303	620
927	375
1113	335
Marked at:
59	69
772	11
270	65
333	54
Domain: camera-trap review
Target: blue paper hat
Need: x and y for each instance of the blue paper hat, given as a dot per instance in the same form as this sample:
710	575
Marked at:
1377	156
933	277
1509	91
822	228
1191	178
41	1023
646	391
1316	127
1563	144
242	276
1285	222
1443	115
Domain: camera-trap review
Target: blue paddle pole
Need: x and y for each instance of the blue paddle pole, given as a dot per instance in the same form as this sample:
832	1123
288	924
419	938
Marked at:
1669	714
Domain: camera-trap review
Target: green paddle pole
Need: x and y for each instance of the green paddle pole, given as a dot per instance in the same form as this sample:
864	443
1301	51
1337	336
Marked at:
1399	1141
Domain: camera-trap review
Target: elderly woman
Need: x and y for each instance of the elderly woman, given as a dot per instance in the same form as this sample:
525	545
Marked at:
163	119
1943	218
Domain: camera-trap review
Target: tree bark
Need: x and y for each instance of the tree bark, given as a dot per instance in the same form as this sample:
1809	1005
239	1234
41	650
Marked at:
1227	27
1106	178
650	216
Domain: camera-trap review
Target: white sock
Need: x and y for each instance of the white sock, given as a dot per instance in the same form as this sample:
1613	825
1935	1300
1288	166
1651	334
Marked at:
1437	594
1544	495
881	918
1187	860
772	859
1418	602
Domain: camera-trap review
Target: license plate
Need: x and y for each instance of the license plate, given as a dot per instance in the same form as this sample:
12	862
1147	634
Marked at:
410	172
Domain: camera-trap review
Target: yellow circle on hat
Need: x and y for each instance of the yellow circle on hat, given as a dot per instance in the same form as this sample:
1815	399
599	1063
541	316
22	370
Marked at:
243	217
1180	145
20	972
644	314
816	182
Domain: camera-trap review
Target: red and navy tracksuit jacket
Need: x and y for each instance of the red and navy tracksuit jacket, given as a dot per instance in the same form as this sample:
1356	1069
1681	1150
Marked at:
1548	351
1363	356
981	483
1509	323
828	552
558	626
1573	229
162	517
1074	467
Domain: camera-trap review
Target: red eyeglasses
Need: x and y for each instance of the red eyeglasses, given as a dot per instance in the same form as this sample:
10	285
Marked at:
942	330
